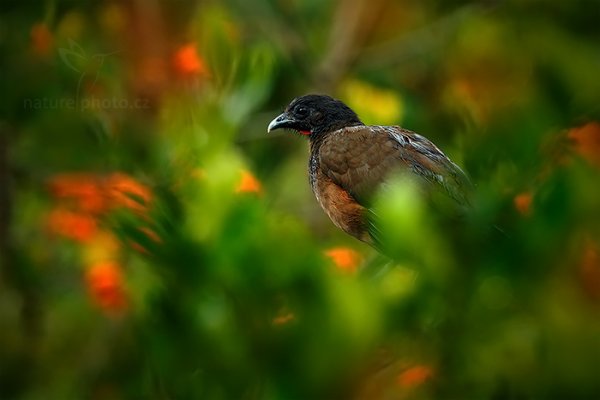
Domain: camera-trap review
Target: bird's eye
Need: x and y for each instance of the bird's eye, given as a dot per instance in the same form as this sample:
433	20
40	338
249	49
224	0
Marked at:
302	111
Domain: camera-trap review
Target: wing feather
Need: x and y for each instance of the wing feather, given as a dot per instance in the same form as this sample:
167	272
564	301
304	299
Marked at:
360	159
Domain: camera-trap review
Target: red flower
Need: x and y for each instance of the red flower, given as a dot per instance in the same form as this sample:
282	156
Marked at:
126	191
95	194
84	189
84	198
73	225
586	141
105	286
522	203
42	40
589	269
150	234
415	376
187	62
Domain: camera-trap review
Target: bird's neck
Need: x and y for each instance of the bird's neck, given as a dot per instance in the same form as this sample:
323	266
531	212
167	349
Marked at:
313	163
318	135
316	139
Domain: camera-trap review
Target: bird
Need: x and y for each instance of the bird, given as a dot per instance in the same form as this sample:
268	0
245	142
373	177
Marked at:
350	162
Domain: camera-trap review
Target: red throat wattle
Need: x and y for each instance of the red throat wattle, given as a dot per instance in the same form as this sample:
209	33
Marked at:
305	133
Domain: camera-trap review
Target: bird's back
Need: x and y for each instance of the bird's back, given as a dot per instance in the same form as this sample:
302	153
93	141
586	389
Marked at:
361	159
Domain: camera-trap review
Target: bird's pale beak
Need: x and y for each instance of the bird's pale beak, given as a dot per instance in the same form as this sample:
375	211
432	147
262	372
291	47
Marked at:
282	121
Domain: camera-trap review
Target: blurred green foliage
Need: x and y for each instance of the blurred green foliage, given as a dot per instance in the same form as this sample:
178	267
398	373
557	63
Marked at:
156	243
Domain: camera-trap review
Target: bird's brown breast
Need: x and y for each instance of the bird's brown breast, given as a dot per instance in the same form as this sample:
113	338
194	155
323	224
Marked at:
340	206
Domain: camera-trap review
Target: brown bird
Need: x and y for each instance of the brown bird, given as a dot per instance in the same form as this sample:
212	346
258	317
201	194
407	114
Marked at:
350	162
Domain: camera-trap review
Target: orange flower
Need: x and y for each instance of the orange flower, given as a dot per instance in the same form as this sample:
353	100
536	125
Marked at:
187	62
105	286
589	269
41	39
126	191
344	258
83	188
284	319
522	202
73	225
414	376
248	183
150	234
95	194
586	142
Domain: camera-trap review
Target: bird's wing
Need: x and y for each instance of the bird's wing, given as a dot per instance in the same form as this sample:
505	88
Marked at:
361	158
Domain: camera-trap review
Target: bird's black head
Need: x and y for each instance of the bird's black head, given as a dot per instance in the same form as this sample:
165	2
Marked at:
315	115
